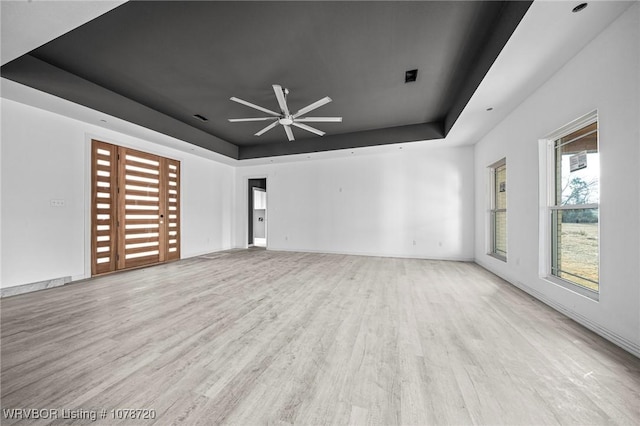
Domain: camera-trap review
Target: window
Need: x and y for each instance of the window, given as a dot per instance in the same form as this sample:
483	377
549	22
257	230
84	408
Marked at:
573	206
498	212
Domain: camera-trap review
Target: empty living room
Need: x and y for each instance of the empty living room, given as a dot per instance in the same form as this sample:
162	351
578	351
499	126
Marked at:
320	212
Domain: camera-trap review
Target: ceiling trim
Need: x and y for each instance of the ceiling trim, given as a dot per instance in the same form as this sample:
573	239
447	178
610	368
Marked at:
386	136
26	25
507	22
43	76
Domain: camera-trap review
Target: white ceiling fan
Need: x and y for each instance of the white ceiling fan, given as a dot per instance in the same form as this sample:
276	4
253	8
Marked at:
286	118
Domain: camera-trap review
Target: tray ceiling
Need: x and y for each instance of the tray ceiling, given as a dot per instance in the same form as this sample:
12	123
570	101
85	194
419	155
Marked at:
157	64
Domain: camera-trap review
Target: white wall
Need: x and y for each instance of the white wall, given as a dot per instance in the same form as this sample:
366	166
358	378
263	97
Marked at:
46	156
603	76
207	206
372	204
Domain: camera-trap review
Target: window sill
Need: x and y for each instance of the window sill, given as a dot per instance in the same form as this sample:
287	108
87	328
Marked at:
497	256
583	291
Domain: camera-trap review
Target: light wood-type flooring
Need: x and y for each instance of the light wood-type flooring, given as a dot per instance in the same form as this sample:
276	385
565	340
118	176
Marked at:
253	337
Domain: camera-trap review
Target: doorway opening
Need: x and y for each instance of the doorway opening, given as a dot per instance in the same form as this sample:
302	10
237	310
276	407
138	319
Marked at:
257	213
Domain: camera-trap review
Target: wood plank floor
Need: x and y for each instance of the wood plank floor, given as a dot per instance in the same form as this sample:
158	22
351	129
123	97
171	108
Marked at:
255	336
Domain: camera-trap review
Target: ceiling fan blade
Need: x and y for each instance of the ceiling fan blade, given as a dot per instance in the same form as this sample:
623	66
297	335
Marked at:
319	119
237	120
281	100
313	106
266	129
254	106
309	128
287	129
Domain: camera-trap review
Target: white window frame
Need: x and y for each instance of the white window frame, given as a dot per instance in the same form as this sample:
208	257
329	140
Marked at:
547	202
492	210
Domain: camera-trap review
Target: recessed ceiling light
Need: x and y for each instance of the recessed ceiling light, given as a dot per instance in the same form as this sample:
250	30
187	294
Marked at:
490	109
200	117
579	7
399	147
410	76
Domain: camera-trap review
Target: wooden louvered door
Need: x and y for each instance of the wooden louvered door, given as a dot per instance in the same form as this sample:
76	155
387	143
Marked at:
140	212
144	209
171	172
104	193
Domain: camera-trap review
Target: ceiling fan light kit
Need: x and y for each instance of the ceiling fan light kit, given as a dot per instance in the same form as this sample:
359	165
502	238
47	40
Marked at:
284	117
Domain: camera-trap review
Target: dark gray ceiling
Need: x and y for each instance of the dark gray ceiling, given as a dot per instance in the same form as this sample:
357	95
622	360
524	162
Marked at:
158	63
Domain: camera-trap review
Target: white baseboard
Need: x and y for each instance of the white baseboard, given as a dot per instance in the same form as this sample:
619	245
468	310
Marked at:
604	332
370	254
29	287
203	252
57	282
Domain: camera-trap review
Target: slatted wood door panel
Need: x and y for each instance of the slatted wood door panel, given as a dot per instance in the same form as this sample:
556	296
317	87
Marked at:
140	212
103	207
139	209
172	208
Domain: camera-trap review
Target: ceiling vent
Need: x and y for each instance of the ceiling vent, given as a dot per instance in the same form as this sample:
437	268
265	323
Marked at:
410	76
579	7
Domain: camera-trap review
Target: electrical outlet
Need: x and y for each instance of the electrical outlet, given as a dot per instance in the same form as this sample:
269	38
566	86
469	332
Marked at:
56	203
